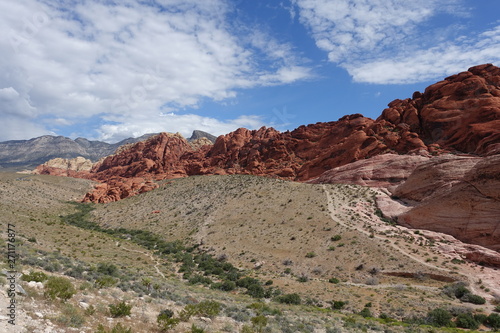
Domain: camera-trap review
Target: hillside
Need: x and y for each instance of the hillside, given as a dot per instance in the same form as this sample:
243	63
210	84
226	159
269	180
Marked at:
324	242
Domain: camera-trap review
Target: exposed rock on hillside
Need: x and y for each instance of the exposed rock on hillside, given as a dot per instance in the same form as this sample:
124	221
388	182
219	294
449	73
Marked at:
459	196
65	167
379	171
461	112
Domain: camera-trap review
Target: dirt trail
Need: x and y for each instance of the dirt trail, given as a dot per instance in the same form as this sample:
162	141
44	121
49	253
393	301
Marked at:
151	256
332	211
470	273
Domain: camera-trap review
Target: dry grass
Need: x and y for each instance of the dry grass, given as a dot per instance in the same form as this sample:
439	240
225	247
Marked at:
250	220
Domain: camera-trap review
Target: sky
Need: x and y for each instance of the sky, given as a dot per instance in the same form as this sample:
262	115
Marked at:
109	70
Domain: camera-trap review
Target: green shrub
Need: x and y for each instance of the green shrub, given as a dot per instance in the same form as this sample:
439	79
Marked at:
224	286
494	321
497	308
481	318
105	281
204	309
121	309
466	320
259	322
107	269
59	287
199	279
264	309
310	255
338	305
71	316
439	317
474	299
365	312
118	328
35	276
457	290
333	280
246	282
256	290
195	329
336	238
166	320
289	299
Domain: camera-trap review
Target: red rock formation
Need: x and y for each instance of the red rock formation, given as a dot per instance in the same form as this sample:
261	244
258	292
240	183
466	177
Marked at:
461	113
379	171
459	196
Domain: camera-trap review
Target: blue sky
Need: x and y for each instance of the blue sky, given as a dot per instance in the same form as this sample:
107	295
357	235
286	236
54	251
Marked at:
109	70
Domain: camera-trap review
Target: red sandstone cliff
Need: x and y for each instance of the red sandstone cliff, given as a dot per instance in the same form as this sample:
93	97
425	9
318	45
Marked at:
460	113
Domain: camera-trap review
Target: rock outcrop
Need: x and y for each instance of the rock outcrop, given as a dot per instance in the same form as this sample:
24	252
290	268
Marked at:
74	167
456	195
461	112
387	170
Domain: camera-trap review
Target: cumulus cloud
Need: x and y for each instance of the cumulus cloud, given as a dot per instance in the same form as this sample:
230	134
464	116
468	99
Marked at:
69	60
171	122
383	41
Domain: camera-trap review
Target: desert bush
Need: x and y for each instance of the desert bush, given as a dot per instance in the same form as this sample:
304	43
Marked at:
439	317
204	309
259	322
457	290
246	282
105	281
224	286
472	298
118	328
365	312
71	316
289	299
264	309
338	305
336	238
121	309
199	279
494	321
107	269
303	278
310	255
481	318
59	287
333	280
466	320
35	276
166	320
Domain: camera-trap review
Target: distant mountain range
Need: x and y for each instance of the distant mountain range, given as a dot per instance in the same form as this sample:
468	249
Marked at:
30	153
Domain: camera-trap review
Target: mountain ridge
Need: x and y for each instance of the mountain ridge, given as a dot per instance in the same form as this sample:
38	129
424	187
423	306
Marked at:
36	151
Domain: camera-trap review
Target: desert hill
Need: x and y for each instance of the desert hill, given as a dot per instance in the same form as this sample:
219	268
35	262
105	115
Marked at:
459	115
324	242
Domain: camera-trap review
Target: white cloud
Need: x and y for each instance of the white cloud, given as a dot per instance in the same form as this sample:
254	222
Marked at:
171	122
446	59
91	58
384	41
